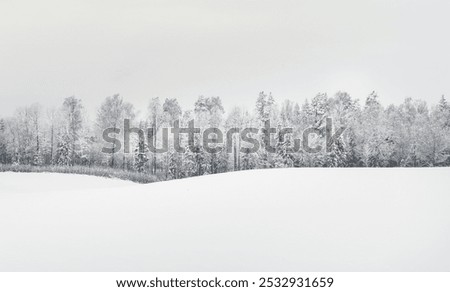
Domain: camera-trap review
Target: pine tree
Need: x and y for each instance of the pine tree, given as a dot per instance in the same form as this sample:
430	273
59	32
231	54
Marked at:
319	109
337	157
194	162
3	147
249	160
222	161
353	152
73	117
261	107
444	112
140	155
175	164
63	152
284	146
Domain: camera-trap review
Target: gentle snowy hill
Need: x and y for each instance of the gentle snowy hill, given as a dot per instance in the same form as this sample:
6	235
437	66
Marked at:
263	220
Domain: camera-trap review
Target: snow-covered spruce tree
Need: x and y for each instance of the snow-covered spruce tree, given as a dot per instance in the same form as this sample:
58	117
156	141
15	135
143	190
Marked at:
155	118
354	156
284	146
443	112
194	162
439	130
175	164
90	154
72	115
421	135
3	140
140	155
265	158
249	159
223	161
63	152
172	160
266	108
337	157
200	161
261	111
290	117
267	115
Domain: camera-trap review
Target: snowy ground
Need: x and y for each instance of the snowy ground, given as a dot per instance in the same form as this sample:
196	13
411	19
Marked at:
265	220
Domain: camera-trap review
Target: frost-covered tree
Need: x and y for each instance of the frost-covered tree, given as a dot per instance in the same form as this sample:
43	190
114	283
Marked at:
318	110
266	108
112	114
439	134
171	113
72	117
155	117
3	143
171	110
140	154
35	111
209	114
63	150
374	137
285	156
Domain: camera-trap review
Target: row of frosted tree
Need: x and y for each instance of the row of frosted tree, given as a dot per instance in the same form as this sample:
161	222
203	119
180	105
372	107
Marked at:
412	134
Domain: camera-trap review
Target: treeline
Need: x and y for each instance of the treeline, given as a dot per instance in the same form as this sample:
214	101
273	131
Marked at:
411	134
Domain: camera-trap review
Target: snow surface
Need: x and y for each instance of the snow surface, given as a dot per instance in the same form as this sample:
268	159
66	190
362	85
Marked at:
261	220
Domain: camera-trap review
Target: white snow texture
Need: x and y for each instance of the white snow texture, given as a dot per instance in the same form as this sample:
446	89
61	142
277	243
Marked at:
260	220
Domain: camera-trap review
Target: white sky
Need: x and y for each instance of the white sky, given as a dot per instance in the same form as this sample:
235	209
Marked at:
233	49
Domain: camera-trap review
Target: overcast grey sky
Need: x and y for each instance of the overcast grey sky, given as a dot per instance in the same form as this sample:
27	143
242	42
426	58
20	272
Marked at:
233	49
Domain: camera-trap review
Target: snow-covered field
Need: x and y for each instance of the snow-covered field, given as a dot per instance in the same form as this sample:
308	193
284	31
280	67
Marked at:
263	220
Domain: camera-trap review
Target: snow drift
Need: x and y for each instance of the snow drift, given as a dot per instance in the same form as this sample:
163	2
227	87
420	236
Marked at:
262	220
